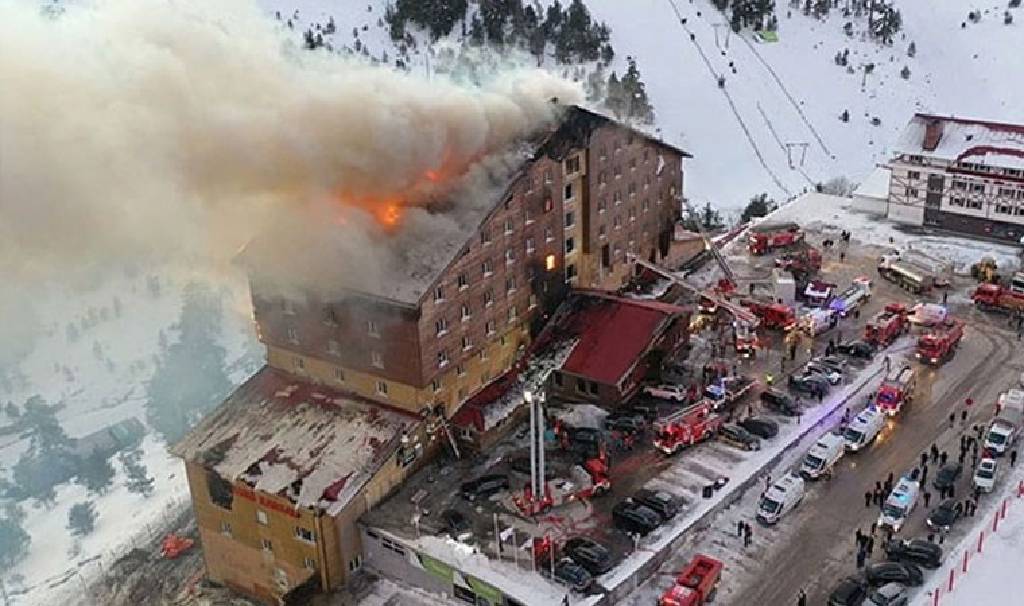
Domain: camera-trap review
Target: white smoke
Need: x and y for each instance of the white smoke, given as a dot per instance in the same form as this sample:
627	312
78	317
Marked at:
184	129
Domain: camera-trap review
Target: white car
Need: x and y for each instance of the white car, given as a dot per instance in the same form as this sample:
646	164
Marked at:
833	376
667	392
985	475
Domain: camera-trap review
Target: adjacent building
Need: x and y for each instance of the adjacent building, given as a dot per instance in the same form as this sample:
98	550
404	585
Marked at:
358	389
961	175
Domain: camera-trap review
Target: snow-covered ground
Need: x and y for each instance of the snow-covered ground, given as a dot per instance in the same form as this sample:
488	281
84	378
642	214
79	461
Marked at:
786	92
95	393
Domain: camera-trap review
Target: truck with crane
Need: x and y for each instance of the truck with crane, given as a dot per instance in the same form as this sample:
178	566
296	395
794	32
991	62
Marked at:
896	390
696	584
686	427
941	342
765	237
999	298
887	325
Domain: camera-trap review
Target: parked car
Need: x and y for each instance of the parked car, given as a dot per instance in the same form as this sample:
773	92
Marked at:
890	594
780	401
905	573
457	525
668	392
808	383
834	362
590	554
632	517
619	421
917	551
760	427
945	515
735	435
985	475
570	574
484	486
851	591
857	349
661	502
833	376
947	475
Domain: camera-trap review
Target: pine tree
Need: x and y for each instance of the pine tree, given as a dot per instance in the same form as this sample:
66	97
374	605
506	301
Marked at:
759	206
82	518
137	481
14	541
48	460
477	36
95	472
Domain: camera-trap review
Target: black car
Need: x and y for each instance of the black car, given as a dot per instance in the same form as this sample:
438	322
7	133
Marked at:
457	525
851	591
780	401
947	475
917	551
590	554
760	427
857	349
834	362
570	574
945	515
633	517
618	421
484	486
739	437
809	383
904	573
662	503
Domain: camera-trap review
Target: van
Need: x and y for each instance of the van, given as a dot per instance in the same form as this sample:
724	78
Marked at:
900	503
985	475
823	456
783	496
863	429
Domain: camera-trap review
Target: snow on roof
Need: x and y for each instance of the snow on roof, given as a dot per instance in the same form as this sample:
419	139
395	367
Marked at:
298	440
975	141
613	334
876	185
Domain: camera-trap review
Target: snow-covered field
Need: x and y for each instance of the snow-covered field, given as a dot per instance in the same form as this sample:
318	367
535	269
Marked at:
96	393
786	92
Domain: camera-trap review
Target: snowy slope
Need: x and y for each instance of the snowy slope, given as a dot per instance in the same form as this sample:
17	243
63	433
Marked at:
963	71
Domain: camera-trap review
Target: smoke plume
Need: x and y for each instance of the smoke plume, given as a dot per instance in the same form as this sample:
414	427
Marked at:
184	129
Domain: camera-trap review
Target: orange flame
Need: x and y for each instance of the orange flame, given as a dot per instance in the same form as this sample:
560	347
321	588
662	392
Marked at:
432	176
389	214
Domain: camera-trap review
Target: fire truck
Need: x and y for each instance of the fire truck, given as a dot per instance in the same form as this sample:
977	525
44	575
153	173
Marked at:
887	325
805	260
896	390
766	237
772	315
686	427
995	297
940	343
696	584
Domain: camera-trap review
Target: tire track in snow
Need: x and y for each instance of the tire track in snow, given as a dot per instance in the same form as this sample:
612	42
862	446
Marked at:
732	105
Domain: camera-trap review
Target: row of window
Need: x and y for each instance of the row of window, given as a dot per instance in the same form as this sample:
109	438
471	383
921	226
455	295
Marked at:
999	208
490	327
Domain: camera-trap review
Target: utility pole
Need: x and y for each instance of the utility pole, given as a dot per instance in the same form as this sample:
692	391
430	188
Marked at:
789	153
728	31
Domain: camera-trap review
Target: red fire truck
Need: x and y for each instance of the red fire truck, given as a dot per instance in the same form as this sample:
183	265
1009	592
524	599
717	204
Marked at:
686	427
896	390
805	260
994	297
940	343
772	315
887	325
766	237
696	584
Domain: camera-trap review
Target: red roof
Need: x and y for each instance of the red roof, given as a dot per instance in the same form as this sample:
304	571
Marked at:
612	336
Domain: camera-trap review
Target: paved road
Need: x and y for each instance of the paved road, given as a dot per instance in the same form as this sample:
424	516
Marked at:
820	549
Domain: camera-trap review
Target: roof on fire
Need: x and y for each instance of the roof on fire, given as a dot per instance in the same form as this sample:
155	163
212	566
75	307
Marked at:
285	437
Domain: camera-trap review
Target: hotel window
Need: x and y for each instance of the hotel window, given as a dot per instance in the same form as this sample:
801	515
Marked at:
466	343
631	189
1007	192
299	363
954	201
304	534
488	297
261	517
293	336
602	232
441	327
572	165
438	294
508	226
309	563
974	204
330	317
977	188
529	214
442	358
460	370
568	191
376	359
225	528
602	205
632	213
548	236
510	284
549	205
618	170
647	181
632	164
617	197
333	347
485	236
510	256
547	176
530	245
647	155
463	282
962	185
910	192
533	300
489	327
570	245
466	312
1004	209
570	219
436	385
513	313
570	271
913	175
602	178
603	152
372	329
288	306
487	267
339	375
267	545
617	222
549	262
382	388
